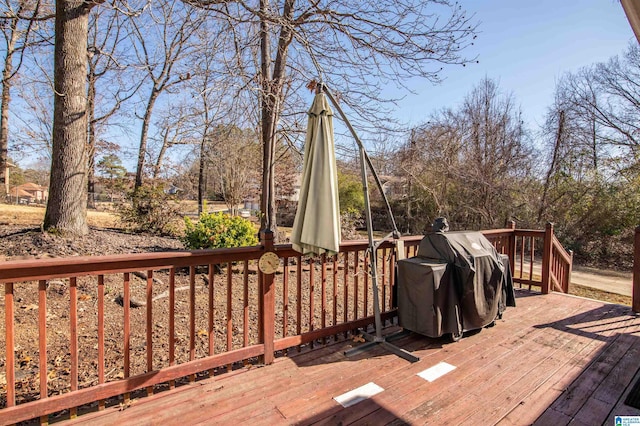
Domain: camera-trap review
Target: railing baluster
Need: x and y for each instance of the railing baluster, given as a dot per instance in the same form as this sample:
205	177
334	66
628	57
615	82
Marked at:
73	339
385	279
211	325
126	303
192	318
365	285
149	294
311	295
42	339
101	378
10	364
356	282
285	298
532	251
392	277
335	289
299	296
229	311
172	321
323	293
522	245
245	308
345	286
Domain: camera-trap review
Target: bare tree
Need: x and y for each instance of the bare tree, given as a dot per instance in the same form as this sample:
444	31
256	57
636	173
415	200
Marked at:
16	25
494	153
591	186
471	164
427	165
34	119
173	129
356	46
107	86
560	133
212	86
67	208
603	101
235	158
169	24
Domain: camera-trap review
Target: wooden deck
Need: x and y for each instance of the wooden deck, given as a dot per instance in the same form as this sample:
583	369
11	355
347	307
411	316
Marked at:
551	360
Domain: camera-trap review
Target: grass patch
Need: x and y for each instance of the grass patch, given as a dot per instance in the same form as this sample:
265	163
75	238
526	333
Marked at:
105	217
22	215
605	296
589	292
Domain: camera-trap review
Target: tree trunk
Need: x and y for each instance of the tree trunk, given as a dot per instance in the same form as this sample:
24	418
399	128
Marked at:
166	142
67	205
201	175
143	137
4	107
91	142
267	222
4	125
553	165
270	106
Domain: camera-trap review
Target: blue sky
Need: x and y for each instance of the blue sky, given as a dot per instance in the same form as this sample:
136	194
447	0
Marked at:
526	46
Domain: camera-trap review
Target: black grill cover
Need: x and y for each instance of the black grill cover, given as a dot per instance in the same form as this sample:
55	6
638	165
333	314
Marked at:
475	290
427	300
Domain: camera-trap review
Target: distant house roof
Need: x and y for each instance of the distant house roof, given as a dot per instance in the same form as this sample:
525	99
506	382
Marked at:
19	192
30	186
30	190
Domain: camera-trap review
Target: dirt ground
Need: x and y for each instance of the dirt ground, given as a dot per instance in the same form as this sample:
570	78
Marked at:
18	242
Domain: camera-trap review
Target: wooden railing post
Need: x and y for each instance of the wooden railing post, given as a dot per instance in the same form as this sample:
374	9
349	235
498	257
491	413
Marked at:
635	305
267	303
10	362
546	258
568	282
512	244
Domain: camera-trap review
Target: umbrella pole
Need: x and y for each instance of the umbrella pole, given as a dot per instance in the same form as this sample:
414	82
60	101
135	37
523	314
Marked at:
364	161
372	251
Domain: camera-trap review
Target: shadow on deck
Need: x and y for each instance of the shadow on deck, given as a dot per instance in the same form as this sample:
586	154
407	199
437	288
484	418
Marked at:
551	360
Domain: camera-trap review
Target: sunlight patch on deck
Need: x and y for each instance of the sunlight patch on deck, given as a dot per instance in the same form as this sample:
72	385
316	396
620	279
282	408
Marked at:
359	394
438	370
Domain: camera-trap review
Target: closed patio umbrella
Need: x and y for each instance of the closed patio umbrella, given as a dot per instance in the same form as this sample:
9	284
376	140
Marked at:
316	228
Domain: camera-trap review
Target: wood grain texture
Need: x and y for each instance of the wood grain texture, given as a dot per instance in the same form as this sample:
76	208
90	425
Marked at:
553	359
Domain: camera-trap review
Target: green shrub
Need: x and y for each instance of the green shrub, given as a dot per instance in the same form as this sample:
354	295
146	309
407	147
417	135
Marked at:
219	230
350	193
149	209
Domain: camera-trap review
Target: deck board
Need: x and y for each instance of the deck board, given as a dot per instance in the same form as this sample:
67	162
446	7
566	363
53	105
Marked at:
553	359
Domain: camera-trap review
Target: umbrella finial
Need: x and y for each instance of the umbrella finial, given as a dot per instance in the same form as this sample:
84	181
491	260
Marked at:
319	88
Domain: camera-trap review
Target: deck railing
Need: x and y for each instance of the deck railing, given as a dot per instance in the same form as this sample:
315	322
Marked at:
104	329
537	259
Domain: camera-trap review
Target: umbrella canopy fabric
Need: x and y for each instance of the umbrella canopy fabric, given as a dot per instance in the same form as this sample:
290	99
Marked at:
316	228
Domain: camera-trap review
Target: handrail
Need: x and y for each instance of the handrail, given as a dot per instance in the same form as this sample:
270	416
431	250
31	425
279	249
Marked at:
22	270
233	313
566	257
561	266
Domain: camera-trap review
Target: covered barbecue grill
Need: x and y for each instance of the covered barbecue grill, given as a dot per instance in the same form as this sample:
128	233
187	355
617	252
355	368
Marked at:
457	282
